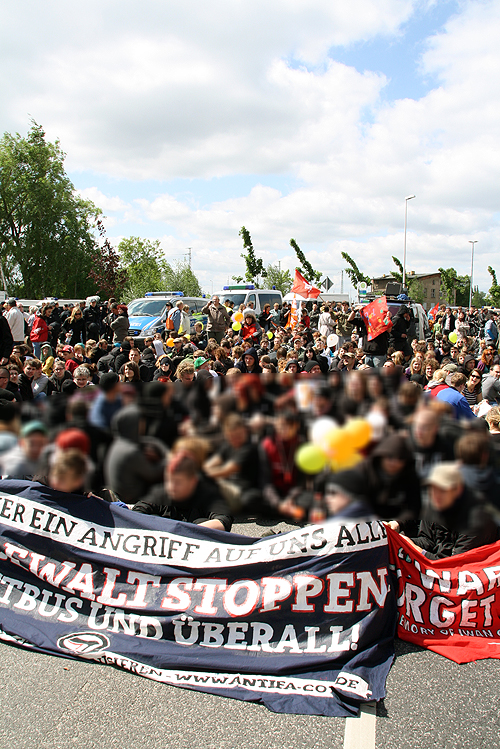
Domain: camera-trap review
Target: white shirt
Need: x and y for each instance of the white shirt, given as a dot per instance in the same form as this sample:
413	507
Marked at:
15	318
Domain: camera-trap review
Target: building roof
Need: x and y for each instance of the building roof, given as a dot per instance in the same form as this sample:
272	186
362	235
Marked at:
410	274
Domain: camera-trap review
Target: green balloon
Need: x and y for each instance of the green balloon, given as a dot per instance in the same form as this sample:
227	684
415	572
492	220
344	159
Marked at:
310	458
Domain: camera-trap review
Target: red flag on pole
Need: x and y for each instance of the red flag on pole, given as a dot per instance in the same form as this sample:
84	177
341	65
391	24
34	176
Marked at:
302	287
376	317
433	312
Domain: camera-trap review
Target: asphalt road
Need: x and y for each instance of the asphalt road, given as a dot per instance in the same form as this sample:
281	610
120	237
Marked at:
47	701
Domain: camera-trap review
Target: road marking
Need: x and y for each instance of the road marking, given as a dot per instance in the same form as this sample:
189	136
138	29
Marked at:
360	732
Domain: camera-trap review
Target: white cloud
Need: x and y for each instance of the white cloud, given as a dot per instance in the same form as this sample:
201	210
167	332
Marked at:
157	92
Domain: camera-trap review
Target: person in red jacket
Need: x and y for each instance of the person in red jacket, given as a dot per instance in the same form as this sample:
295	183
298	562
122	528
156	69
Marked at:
40	329
250	330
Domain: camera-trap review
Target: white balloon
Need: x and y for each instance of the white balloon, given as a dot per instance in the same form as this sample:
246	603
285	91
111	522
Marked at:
378	422
320	428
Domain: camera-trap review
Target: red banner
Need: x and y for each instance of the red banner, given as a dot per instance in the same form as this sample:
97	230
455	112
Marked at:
450	606
376	317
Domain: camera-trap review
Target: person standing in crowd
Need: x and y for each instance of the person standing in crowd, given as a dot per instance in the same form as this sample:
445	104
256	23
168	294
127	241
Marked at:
16	320
74	327
218	319
40	328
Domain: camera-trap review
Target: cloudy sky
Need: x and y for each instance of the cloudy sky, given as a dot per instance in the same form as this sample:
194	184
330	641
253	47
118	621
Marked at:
311	119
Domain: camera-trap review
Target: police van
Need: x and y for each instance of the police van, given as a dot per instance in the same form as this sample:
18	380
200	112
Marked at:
148	314
248	294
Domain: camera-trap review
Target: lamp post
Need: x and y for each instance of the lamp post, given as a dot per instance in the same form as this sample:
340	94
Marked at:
404	250
472	242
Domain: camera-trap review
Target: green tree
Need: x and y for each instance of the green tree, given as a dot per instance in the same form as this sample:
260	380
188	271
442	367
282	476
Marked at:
494	292
456	288
145	266
479	298
353	271
49	236
313	276
255	266
415	288
281	279
180	277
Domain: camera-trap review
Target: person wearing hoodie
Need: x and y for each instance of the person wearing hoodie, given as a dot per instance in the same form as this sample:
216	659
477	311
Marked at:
473	451
132	465
392	482
250	363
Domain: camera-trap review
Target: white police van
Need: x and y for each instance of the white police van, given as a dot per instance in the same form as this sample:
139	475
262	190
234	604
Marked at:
248	294
148	314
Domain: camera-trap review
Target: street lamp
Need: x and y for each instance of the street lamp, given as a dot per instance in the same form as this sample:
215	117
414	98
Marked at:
473	242
404	250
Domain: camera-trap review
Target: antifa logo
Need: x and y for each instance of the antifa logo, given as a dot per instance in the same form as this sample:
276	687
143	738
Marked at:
83	643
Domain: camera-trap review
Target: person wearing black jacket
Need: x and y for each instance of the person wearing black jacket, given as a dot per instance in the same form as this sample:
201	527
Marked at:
6	340
392	482
400	330
456	520
188	496
74	327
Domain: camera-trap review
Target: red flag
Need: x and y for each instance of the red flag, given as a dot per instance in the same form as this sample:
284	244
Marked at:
433	312
302	287
376	317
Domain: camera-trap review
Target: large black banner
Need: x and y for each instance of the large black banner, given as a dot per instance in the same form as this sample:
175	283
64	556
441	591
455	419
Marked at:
302	622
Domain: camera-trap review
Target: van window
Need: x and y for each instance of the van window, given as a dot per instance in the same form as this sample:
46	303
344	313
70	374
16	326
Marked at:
250	298
269	298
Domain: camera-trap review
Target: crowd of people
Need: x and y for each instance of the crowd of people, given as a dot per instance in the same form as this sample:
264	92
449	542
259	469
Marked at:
206	426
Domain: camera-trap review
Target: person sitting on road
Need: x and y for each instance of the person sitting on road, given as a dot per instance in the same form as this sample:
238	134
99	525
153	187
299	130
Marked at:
455	520
187	496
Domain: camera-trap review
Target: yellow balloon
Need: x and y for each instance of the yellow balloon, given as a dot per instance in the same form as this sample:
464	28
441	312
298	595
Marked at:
359	431
238	316
236	326
310	458
170	342
270	334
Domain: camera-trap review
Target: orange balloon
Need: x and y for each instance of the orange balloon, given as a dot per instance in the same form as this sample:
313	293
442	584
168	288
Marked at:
359	431
238	316
350	461
170	342
337	445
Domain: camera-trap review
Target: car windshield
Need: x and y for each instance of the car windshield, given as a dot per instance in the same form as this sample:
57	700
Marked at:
236	298
146	308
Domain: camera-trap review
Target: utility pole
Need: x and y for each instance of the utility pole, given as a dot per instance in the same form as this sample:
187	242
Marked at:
189	256
341	281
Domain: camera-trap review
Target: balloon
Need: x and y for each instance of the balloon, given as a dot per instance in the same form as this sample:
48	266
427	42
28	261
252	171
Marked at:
378	423
170	342
236	326
453	336
238	316
360	432
337	444
270	334
320	429
310	458
350	461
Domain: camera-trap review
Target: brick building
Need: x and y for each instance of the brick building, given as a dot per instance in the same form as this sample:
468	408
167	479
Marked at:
430	283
